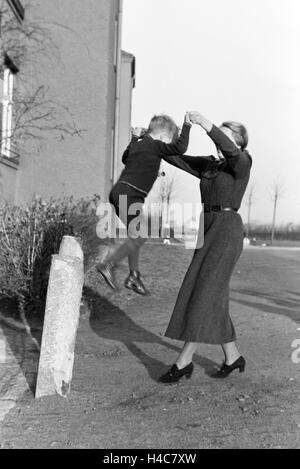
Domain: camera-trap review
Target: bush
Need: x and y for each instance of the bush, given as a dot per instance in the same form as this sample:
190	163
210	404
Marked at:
30	235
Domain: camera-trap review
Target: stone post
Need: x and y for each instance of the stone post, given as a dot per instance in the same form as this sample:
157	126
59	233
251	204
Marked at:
61	320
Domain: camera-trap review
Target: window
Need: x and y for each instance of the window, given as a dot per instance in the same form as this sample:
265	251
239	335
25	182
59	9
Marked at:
8	70
6	96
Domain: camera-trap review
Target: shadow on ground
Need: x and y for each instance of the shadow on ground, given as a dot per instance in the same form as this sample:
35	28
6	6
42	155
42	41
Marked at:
106	320
110	322
21	350
278	303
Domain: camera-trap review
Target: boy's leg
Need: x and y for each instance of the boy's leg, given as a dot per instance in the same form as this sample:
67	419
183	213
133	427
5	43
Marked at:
106	267
134	281
134	260
130	249
134	242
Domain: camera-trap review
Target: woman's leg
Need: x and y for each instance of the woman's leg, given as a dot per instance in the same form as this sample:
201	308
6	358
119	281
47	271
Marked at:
186	355
231	352
183	365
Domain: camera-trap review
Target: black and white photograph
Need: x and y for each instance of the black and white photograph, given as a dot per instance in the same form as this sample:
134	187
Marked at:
149	227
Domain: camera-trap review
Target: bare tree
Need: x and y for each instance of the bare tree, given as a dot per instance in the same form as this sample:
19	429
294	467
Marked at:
35	115
34	112
249	202
165	194
277	193
26	40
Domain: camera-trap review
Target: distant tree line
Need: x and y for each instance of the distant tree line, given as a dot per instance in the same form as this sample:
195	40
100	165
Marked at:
289	231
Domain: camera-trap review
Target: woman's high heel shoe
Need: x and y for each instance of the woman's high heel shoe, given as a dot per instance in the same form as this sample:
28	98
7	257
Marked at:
174	374
240	364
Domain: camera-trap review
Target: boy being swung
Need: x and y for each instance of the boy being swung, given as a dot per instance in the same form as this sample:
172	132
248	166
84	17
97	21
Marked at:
142	160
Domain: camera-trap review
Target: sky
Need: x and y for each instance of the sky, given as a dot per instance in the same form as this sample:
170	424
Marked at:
230	60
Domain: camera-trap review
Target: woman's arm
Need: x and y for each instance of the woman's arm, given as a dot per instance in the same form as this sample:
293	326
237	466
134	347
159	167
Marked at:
194	165
240	161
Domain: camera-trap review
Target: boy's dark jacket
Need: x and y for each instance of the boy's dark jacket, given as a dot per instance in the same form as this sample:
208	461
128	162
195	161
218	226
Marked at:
142	158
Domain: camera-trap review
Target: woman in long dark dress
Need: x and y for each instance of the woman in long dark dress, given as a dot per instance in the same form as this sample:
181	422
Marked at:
201	313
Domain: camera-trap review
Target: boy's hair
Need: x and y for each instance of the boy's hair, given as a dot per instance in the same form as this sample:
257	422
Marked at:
163	123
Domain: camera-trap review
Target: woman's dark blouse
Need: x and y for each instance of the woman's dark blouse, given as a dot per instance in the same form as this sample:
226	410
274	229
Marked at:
223	182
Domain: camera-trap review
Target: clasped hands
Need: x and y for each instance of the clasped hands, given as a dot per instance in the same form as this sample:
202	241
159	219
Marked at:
194	117
191	117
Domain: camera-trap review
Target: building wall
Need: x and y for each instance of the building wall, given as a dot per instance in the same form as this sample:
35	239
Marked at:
8	180
82	77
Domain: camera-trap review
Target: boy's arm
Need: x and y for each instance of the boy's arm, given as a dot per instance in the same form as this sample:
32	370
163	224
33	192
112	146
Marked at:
134	138
179	146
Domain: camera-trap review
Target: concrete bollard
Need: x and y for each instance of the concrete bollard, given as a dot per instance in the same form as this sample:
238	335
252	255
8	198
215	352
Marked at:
71	247
61	320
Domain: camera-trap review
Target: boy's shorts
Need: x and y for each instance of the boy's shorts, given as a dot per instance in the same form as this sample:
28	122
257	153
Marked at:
122	197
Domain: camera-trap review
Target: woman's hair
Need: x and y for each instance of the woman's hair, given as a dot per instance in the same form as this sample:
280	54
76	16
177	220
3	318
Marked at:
163	123
239	132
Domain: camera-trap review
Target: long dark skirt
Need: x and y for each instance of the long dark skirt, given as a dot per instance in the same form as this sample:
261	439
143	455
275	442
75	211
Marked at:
201	312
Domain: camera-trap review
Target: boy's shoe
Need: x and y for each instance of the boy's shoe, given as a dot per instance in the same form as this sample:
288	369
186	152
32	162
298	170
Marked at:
134	282
107	272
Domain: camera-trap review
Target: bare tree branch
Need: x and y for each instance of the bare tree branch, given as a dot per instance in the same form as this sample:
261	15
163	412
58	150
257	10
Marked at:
276	194
164	197
35	114
250	201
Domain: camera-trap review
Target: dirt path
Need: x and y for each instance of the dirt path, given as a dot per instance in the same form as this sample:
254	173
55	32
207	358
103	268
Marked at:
116	401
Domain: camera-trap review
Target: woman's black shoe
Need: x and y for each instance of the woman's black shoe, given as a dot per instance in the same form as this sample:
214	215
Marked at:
240	364
174	374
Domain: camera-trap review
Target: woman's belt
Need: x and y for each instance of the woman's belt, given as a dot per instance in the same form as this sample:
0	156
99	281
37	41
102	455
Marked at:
218	208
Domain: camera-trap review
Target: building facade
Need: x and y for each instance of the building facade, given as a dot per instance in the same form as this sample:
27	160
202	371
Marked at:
84	76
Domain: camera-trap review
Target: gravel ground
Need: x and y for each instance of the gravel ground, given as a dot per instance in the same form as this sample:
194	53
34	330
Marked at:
116	401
